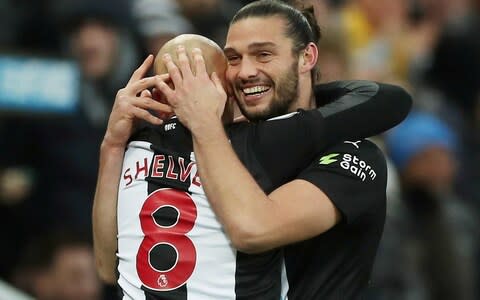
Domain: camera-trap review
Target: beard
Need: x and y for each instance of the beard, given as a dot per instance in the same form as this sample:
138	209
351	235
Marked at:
285	96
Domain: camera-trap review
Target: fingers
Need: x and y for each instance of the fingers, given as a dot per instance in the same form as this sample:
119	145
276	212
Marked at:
142	84
150	104
142	70
218	84
239	119
145	94
200	68
157	95
145	115
184	63
164	108
168	93
173	70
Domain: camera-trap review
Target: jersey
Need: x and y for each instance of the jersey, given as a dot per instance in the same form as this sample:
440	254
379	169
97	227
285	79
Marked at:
170	251
337	264
170	243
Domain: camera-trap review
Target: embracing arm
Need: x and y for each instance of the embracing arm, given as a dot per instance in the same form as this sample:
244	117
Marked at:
254	221
105	211
360	108
299	209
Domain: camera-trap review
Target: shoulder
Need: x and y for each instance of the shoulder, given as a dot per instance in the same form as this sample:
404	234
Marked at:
358	160
358	152
353	174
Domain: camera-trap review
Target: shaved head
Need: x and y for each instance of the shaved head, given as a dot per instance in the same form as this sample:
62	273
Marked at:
215	60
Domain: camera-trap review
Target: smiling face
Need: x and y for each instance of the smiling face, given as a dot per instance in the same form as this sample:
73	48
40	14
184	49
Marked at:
262	70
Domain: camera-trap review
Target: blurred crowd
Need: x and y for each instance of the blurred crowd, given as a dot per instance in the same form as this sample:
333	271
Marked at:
49	157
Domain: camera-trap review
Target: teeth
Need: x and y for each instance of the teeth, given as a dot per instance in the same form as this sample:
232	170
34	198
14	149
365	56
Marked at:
255	89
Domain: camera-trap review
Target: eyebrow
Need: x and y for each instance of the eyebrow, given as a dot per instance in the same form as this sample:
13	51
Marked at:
253	46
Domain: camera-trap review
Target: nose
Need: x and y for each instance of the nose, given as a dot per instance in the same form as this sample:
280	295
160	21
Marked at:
247	69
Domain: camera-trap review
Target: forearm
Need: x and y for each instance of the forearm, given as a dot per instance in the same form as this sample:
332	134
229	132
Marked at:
254	221
105	211
232	192
358	109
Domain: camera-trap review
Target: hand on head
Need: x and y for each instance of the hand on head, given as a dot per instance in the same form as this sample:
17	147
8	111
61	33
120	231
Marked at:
132	103
196	66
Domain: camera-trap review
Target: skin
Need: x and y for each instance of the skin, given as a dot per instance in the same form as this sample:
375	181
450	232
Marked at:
214	60
266	62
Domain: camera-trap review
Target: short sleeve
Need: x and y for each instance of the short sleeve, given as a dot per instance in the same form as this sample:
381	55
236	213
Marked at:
353	174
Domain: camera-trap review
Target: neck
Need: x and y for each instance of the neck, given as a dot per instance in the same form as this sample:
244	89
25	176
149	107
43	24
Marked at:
306	97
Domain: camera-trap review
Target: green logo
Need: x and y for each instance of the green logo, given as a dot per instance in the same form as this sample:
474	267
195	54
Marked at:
328	159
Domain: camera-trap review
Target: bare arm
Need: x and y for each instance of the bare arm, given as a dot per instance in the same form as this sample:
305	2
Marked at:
127	110
104	213
254	221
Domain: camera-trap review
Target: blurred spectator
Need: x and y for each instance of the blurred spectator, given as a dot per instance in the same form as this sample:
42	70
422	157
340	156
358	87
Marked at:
49	162
98	35
454	67
333	58
451	72
159	21
210	17
59	266
59	152
428	247
375	38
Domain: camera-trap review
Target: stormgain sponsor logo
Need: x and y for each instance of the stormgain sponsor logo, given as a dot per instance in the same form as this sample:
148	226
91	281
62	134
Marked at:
357	166
328	159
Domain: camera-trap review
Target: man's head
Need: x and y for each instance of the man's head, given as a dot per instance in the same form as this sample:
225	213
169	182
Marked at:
94	30
271	52
59	265
423	148
214	58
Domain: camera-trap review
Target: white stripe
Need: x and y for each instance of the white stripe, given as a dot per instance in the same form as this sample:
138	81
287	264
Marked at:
284	281
285	116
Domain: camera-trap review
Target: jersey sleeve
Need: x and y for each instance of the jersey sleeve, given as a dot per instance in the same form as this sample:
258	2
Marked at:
359	109
354	177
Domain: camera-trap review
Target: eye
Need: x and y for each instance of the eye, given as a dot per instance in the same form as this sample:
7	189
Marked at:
233	59
264	56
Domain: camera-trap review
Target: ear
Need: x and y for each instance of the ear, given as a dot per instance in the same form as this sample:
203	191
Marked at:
308	58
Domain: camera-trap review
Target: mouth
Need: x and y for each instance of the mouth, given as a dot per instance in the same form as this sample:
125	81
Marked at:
254	93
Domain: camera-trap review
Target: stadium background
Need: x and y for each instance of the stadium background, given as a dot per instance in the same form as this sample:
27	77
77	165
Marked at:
62	61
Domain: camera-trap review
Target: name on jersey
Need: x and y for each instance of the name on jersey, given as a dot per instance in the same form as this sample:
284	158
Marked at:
351	163
163	166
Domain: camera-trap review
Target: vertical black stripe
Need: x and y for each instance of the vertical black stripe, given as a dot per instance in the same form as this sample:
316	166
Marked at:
168	142
258	276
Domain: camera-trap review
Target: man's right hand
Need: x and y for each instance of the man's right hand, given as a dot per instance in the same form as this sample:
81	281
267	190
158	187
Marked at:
134	102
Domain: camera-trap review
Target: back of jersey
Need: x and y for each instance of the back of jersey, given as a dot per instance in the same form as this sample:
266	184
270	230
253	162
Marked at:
170	243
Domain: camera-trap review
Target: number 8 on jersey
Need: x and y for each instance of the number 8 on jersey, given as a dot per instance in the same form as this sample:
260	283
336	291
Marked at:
166	257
